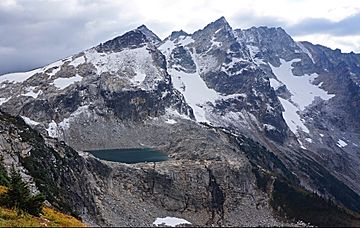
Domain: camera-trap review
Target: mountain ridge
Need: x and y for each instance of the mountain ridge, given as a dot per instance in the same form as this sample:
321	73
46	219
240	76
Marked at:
297	99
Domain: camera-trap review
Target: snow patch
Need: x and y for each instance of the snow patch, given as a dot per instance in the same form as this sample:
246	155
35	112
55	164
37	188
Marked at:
62	83
301	87
341	143
29	121
56	68
139	77
170	121
56	130
170	221
269	127
79	60
52	129
232	96
65	124
19	77
303	93
275	83
214	43
30	92
54	71
4	100
301	145
309	140
253	50
305	50
185	40
292	118
136	65
169	45
195	91
174	113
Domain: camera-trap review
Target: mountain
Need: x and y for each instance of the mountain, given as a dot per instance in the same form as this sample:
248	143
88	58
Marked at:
252	105
261	83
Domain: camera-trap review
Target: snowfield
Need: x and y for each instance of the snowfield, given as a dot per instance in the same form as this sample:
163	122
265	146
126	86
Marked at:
137	63
19	77
29	121
170	221
303	93
341	143
62	83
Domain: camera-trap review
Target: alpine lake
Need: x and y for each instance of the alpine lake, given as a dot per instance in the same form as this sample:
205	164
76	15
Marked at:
129	156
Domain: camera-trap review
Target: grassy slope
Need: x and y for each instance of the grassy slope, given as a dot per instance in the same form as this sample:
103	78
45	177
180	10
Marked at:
50	218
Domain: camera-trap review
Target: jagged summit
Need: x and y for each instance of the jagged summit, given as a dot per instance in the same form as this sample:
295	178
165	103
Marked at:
220	23
177	34
132	39
221	20
150	35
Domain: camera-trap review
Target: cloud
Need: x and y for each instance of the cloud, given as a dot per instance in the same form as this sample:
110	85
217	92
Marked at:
37	32
345	27
249	19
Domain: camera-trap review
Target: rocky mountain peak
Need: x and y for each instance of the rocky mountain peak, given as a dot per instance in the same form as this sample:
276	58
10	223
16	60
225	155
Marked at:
270	35
221	21
272	44
216	34
219	24
132	39
176	34
150	35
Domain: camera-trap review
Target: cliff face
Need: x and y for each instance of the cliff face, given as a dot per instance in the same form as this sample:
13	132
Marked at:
218	179
205	187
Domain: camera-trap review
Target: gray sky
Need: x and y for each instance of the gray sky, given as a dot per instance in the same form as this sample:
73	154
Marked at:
37	32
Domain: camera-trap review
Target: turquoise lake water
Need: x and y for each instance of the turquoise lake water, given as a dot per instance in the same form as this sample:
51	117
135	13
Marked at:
130	156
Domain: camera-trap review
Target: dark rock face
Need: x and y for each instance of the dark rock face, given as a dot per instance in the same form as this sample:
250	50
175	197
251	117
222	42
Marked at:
152	37
56	169
132	39
181	57
176	34
140	105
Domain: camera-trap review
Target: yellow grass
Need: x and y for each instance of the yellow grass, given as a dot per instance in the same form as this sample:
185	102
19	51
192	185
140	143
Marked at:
49	218
3	189
60	219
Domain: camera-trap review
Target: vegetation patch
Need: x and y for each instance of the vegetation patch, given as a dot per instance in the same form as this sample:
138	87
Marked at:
299	204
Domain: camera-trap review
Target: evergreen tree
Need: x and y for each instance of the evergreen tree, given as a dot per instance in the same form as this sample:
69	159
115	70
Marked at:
4	178
19	197
18	193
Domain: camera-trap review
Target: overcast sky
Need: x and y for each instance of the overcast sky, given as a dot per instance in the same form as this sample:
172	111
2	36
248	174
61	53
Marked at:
37	32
